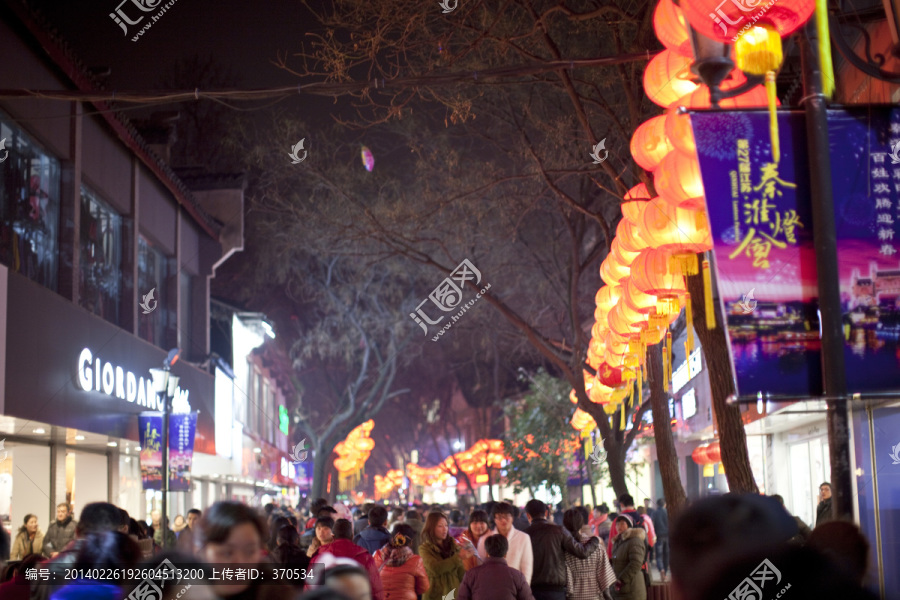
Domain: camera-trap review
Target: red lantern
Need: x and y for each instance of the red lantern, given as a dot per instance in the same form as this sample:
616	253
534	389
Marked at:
678	181
609	375
668	78
675	229
679	131
725	21
714	453
671	28
649	144
699	456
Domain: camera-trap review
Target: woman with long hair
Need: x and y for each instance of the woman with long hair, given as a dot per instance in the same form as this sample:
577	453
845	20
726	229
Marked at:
477	529
590	577
402	572
30	539
442	557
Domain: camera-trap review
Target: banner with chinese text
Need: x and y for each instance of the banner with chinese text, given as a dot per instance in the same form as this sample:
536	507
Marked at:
761	222
182	429
865	175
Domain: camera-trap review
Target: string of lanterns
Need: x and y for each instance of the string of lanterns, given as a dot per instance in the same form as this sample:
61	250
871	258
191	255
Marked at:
658	239
484	454
353	453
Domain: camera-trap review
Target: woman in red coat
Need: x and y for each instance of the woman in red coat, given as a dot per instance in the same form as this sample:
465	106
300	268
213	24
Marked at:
402	572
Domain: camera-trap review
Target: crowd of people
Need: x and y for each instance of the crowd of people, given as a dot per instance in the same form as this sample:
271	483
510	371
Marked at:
491	552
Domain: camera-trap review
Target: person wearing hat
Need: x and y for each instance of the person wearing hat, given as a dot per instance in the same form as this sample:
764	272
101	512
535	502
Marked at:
627	558
478	528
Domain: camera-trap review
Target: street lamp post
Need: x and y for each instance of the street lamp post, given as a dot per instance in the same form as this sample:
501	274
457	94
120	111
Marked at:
164	384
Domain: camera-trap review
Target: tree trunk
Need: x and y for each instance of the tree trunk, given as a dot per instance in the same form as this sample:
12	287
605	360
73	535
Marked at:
662	433
320	472
732	437
615	458
589	472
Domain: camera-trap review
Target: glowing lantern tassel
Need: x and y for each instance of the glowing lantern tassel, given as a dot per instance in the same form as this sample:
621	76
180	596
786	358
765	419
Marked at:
689	321
368	158
708	296
640	387
588	443
759	52
667	361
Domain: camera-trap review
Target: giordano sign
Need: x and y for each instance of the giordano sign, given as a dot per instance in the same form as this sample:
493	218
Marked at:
98	375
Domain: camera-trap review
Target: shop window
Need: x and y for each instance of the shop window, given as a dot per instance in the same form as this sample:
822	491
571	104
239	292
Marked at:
101	257
152	276
29	208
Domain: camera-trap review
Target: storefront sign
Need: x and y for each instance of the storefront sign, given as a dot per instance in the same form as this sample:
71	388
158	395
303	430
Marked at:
72	369
116	382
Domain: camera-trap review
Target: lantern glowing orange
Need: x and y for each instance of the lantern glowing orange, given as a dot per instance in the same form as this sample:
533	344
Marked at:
723	21
668	78
679	131
625	321
629	235
612	271
671	29
609	375
649	144
623	257
675	229
714	452
652	275
699	456
678	180
636	298
633	203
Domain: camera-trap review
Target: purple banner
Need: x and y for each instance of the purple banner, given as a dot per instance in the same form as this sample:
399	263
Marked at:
865	174
182	428
761	223
150	430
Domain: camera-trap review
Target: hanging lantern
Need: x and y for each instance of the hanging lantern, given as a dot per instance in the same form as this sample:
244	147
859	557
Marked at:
629	235
649	144
699	455
679	131
625	321
671	28
675	229
364	444
623	257
652	275
668	78
714	452
612	271
725	21
633	203
609	375
678	180
636	298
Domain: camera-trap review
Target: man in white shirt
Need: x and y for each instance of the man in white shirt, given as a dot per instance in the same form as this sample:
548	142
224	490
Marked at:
519	556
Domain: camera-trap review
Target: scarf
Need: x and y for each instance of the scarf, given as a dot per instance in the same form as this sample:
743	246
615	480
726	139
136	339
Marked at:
395	557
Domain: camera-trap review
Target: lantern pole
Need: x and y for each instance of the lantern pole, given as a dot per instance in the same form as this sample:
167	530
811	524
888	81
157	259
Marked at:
834	378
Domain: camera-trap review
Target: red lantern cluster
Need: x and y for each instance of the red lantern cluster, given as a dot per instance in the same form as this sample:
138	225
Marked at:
708	454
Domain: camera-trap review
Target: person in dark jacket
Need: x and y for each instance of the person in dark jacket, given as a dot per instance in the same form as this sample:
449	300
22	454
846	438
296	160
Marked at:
550	543
375	536
661	525
627	559
60	532
823	510
803	530
494	580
